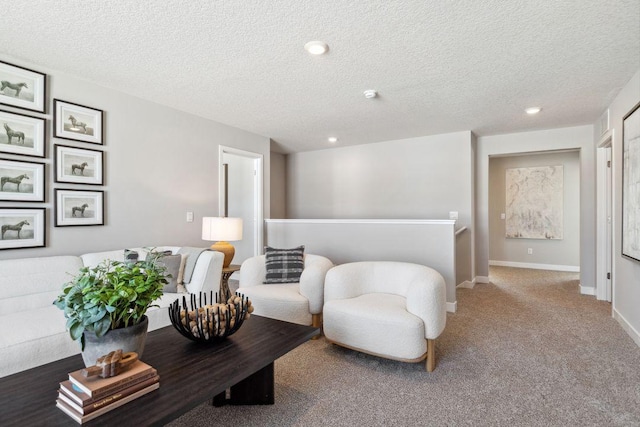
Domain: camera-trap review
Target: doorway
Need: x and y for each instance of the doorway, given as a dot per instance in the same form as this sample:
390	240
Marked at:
604	220
243	197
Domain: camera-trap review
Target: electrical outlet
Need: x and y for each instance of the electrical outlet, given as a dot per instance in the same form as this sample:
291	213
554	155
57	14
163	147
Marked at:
530	251
503	216
189	216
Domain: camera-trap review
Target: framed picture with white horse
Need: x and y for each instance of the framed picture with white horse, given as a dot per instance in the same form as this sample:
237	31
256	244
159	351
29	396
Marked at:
22	134
78	165
77	122
23	88
22	228
21	181
79	207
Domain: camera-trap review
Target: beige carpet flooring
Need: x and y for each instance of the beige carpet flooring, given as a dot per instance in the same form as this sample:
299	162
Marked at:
525	350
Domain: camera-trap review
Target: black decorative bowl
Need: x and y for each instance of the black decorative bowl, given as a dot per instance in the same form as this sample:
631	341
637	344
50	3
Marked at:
206	320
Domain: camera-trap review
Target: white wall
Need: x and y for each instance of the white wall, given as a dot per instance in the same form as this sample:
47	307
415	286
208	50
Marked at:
416	178
580	138
626	272
564	252
160	163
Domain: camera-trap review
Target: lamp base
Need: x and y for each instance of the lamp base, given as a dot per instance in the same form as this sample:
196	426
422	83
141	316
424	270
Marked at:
227	249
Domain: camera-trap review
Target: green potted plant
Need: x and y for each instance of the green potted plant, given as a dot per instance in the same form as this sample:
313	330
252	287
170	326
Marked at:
105	305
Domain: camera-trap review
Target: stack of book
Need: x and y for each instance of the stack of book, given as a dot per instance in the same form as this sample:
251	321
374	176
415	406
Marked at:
84	399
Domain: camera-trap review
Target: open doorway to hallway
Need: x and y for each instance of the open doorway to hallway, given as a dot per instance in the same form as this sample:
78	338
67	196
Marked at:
243	190
559	252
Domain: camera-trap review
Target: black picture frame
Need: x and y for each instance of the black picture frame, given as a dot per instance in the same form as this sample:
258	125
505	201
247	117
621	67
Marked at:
77	122
22	134
630	247
13	235
15	90
18	175
74	208
75	165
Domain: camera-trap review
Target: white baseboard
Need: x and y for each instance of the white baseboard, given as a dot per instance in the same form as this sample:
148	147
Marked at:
635	335
587	290
552	267
482	279
452	306
467	284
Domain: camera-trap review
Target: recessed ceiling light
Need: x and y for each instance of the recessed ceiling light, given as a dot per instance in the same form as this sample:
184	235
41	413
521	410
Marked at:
370	93
533	110
333	139
316	47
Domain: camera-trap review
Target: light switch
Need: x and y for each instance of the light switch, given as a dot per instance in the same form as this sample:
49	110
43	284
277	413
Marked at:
503	216
453	215
189	216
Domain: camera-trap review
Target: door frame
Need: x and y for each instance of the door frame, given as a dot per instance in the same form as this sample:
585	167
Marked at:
604	218
258	198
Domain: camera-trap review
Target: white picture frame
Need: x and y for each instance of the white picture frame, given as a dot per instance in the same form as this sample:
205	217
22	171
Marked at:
21	134
79	207
77	122
22	228
78	165
22	88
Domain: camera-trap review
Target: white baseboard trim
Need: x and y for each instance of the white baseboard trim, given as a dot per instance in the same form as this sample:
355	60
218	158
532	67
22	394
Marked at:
452	306
552	267
587	290
467	284
635	335
482	279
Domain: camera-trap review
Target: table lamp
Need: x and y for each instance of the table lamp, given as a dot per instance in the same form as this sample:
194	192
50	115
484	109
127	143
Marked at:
222	230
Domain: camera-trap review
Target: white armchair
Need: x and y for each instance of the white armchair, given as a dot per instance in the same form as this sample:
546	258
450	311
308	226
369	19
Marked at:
292	302
393	310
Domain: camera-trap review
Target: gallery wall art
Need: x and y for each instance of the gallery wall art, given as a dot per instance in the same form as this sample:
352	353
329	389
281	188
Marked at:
534	202
79	207
22	88
21	181
78	165
631	184
22	134
22	228
77	122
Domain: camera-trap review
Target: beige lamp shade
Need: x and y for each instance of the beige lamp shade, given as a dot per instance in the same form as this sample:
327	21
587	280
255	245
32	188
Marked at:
222	230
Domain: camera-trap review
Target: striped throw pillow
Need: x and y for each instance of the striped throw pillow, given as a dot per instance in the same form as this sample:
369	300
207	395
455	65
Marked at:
283	265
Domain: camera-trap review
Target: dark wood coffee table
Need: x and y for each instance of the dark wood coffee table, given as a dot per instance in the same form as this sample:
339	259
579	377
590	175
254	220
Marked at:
190	374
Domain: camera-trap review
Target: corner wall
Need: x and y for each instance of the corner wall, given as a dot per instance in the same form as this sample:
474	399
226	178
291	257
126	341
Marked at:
159	164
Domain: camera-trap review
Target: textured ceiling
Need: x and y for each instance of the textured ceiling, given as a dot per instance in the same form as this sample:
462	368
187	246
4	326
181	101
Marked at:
439	66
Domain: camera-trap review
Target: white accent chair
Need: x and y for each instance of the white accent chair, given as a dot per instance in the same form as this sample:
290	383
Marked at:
299	303
388	309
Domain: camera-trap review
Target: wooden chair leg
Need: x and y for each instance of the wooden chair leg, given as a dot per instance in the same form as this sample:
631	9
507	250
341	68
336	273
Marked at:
316	322
431	355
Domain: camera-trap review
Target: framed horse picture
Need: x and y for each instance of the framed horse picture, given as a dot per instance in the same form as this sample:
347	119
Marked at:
22	134
79	207
23	88
22	228
77	122
78	165
21	181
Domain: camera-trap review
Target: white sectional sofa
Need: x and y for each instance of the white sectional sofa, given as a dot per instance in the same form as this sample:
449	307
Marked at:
32	329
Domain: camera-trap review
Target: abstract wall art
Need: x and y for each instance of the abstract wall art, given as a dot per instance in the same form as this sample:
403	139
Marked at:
534	199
